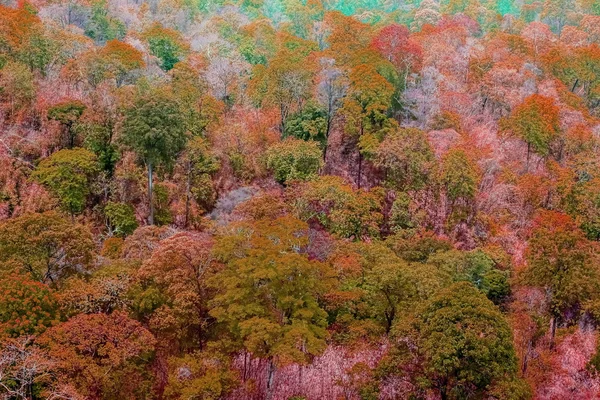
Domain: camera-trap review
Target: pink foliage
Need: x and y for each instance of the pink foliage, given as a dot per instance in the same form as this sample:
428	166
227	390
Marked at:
571	380
323	379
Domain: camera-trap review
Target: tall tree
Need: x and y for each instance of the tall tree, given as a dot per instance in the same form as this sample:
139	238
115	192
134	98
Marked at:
535	121
166	44
154	130
463	343
285	83
180	270
562	262
268	294
294	159
365	109
103	356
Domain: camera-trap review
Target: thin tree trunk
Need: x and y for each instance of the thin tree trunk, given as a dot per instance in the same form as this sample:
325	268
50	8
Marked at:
150	199
526	358
552	331
360	160
245	365
270	379
188	185
326	139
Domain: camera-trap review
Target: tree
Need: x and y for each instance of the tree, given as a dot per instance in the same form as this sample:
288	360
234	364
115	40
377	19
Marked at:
154	130
536	122
120	218
406	157
554	12
46	246
332	85
365	109
562	262
180	270
67	113
26	372
476	267
101	26
268	295
375	288
121	59
285	82
27	307
68	174
460	176
105	290
166	44
310	123
103	356
395	45
23	37
294	159
17	89
199	165
198	109
464	343
340	209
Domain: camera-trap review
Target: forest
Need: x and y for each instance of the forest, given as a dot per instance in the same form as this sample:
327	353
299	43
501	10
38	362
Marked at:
299	199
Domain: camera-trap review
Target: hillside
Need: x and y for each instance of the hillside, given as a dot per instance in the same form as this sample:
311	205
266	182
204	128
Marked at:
299	199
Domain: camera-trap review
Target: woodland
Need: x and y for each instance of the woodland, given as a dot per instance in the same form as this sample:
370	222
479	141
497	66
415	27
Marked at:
299	199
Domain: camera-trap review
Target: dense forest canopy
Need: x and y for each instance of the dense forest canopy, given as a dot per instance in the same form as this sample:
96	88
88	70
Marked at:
299	199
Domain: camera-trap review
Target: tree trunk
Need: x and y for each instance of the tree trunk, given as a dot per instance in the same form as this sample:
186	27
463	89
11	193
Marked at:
188	185
443	394
526	358
326	139
245	365
270	379
150	199
552	331
575	85
360	160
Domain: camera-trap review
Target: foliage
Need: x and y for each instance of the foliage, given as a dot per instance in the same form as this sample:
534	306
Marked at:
536	122
294	159
153	128
339	208
46	246
460	176
464	341
179	269
279	319
166	44
310	123
200	375
360	191
406	158
101	355
69	174
121	218
27	307
102	27
561	261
